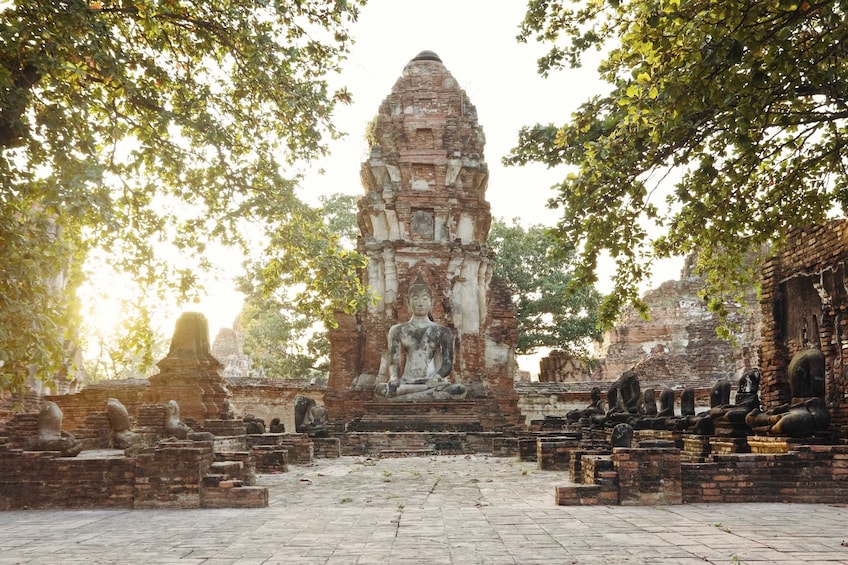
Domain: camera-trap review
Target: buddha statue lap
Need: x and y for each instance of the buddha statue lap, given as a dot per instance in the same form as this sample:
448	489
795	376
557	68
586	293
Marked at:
595	408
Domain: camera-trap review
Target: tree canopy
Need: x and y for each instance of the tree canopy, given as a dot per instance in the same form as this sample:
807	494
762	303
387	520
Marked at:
282	342
548	315
736	110
281	336
128	126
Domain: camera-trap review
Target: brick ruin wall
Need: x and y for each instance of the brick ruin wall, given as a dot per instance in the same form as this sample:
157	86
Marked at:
678	345
814	474
804	302
263	398
810	474
560	367
171	475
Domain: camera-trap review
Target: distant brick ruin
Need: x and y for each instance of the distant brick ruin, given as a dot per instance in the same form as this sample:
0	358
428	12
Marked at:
678	345
425	213
228	348
190	374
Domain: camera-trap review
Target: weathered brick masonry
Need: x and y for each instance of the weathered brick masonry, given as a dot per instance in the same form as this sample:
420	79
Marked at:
812	474
171	475
804	303
424	213
646	476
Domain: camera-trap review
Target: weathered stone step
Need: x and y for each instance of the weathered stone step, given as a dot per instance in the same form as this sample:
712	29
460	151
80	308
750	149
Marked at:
578	495
228	468
407	452
213	479
416	422
229	496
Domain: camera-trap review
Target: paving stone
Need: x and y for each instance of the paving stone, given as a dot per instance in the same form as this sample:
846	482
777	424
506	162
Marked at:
445	509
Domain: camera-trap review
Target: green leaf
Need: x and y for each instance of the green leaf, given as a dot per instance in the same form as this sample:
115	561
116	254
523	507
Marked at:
742	125
151	130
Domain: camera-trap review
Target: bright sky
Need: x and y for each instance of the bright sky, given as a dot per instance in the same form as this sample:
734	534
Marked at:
476	41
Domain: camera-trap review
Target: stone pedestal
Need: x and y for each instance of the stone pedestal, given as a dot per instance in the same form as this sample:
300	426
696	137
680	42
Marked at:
766	444
299	447
696	447
417	416
554	453
225	427
665	435
648	476
728	445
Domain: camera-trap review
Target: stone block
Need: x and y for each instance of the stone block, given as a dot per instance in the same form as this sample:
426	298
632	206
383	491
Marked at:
228	468
270	459
648	476
554	453
577	495
326	447
505	447
236	497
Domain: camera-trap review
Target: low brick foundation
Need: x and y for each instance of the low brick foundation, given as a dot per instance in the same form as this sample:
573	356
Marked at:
553	453
575	461
327	447
812	474
43	480
648	476
656	475
270	459
578	495
424	443
505	447
174	474
300	448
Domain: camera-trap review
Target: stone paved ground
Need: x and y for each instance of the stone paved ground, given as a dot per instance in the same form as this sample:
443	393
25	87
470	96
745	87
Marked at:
429	510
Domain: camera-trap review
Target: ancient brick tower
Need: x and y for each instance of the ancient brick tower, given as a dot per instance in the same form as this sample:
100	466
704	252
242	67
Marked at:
190	374
425	212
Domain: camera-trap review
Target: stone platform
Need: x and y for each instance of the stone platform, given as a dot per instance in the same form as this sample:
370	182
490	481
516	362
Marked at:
393	444
447	416
173	474
656	472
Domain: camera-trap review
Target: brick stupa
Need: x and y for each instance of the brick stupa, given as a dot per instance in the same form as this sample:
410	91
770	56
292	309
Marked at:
424	213
190	374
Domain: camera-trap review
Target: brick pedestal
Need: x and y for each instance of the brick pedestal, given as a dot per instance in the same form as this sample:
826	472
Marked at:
648	476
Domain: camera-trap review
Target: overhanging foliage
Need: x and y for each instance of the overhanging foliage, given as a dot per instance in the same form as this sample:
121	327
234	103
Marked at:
743	103
127	126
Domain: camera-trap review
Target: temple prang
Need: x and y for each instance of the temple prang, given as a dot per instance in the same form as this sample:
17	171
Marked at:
425	214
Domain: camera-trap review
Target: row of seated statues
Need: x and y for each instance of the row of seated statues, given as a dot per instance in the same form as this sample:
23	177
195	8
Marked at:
51	437
805	416
310	419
